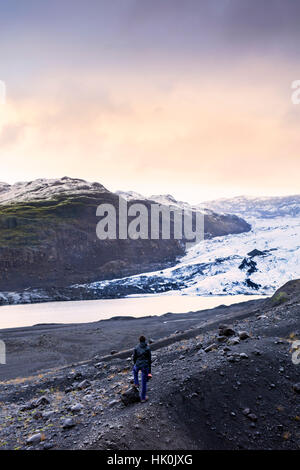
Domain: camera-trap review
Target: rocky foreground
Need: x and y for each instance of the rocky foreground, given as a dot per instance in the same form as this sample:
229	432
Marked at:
225	383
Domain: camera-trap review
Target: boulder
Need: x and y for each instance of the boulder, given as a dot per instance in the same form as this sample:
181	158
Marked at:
34	439
130	396
98	365
296	387
243	335
244	356
76	408
225	330
42	401
233	341
68	423
28	406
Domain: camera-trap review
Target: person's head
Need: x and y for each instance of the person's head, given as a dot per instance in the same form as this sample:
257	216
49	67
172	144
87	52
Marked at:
142	339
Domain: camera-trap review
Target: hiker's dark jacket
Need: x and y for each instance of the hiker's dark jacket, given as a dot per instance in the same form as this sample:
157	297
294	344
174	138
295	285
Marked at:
142	356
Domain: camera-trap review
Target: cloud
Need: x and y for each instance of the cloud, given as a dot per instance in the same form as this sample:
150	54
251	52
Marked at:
206	131
172	93
11	134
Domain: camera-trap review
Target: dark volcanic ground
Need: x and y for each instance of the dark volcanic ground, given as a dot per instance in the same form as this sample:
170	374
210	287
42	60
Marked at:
32	349
211	389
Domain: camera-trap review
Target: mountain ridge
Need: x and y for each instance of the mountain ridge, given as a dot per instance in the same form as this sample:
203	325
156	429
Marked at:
48	236
242	206
257	207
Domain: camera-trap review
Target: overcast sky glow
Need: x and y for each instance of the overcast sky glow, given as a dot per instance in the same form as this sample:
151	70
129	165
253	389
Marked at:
191	97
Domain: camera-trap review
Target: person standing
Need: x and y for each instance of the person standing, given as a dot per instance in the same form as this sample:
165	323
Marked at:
142	362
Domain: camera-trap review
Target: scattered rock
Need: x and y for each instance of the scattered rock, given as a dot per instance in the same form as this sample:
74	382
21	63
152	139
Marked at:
47	414
233	341
211	347
130	396
231	359
28	406
84	384
48	445
221	339
98	365
248	413
34	439
113	403
252	417
224	330
243	335
68	423
77	407
244	356
75	375
42	401
296	387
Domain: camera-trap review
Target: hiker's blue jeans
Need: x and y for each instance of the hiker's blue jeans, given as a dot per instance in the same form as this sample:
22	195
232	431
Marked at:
145	372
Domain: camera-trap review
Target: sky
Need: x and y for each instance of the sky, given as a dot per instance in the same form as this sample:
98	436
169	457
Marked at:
190	98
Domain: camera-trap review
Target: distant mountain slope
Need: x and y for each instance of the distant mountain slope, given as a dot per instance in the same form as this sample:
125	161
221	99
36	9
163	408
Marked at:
214	224
257	207
48	236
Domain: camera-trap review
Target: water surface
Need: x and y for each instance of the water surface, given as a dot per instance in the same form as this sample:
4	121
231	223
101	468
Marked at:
85	311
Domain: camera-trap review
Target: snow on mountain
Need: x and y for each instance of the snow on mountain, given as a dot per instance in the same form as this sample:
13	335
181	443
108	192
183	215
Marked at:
247	207
130	195
4	187
168	200
256	262
165	200
46	188
257	207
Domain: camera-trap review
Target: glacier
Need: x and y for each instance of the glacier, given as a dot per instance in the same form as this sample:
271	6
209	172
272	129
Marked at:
215	266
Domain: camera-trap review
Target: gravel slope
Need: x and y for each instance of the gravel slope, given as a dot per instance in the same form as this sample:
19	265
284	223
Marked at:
209	391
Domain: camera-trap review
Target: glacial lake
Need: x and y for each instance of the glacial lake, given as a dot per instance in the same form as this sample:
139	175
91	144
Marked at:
84	311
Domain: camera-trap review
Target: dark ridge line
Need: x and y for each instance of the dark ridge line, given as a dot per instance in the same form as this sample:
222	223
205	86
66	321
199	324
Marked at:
174	338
